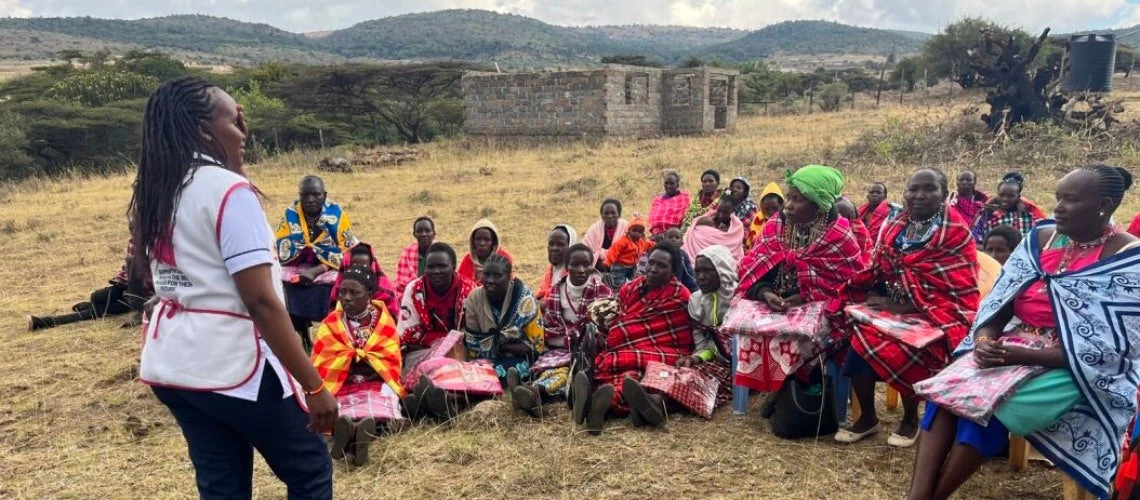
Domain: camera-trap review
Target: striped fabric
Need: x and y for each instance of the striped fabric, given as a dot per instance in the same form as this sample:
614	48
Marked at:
334	351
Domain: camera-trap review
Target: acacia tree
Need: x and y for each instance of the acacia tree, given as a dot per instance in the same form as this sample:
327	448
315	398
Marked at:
401	96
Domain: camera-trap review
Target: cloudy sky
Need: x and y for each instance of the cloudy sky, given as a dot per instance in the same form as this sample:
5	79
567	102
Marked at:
921	15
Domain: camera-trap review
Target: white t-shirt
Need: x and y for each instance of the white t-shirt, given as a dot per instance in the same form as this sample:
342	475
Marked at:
242	234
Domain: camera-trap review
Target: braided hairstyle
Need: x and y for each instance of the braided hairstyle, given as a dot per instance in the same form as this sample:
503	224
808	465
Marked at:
1111	181
1014	179
172	135
362	275
497	259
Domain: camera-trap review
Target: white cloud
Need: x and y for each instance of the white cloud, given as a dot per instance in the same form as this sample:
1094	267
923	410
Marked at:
924	15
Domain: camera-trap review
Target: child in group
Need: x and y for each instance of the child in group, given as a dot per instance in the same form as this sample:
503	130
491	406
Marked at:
685	273
623	256
1000	242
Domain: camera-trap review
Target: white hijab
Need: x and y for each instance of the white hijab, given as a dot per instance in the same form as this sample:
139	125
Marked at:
702	308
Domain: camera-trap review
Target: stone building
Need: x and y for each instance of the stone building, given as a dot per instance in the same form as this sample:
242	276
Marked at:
614	101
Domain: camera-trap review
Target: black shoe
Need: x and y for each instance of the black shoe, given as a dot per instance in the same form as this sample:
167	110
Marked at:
528	399
599	406
365	434
768	407
636	419
580	395
442	404
651	409
343	432
414	407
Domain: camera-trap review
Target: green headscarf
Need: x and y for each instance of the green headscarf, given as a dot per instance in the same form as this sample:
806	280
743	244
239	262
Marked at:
820	184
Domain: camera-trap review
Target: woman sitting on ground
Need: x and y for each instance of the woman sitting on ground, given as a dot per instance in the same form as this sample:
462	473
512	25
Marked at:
123	296
1063	285
967	200
411	263
357	353
771	203
560	239
502	323
566	322
743	206
668	209
363	255
804	255
878	211
652	324
925	264
701	204
484	242
1008	208
721	227
717	276
607	230
311	241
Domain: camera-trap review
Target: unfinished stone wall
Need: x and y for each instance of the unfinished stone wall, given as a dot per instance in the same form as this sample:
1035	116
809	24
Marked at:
683	96
570	104
633	101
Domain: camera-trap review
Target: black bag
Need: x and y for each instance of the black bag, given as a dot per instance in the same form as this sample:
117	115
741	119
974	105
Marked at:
805	409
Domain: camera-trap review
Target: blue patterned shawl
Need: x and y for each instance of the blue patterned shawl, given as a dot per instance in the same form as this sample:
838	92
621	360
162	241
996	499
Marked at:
1097	310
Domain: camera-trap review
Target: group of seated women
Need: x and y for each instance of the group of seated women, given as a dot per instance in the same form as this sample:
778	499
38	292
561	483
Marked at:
647	318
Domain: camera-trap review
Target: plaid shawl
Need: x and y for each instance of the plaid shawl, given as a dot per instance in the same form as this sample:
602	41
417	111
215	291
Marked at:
970	206
334	352
1097	311
559	330
885	212
415	325
407	268
384	290
1021	220
863	238
941	278
821	267
665	213
654	327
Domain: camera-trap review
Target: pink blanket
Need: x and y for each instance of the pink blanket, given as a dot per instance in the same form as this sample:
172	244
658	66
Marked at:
910	329
292	274
687	386
701	237
771	346
369	400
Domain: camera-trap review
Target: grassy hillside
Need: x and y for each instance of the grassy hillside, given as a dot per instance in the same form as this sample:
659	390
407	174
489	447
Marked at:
814	37
76	424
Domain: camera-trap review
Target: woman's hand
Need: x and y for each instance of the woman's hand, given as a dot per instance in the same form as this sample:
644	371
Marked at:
794	300
310	275
775	303
322	410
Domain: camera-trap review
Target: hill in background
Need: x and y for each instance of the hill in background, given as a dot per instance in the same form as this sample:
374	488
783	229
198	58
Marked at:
471	35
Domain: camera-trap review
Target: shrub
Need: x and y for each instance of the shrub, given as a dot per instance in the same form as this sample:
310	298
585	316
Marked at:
832	95
96	88
14	162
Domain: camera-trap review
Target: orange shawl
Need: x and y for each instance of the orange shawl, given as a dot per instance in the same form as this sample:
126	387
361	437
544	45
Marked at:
334	353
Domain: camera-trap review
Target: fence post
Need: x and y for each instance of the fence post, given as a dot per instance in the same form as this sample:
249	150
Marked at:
879	93
321	134
852	99
811	97
276	140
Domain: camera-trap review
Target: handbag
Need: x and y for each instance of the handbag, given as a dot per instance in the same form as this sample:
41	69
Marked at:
805	410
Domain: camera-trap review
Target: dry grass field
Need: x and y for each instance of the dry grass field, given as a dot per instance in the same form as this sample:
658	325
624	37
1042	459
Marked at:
74	422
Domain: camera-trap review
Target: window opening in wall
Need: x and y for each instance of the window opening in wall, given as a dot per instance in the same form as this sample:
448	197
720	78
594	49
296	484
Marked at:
681	93
637	89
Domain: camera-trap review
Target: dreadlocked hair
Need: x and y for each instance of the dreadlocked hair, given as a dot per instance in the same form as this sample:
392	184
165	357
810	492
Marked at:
171	137
497	259
1112	181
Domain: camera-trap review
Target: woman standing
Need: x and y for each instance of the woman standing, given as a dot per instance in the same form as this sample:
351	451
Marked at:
220	351
414	257
1072	283
925	264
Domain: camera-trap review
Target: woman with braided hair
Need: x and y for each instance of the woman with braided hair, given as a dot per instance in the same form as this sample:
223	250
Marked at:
1008	208
1073	287
219	350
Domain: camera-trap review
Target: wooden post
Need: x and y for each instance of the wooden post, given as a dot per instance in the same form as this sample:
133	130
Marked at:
852	99
321	134
925	89
276	140
811	97
879	94
1018	453
765	108
892	398
953	71
902	83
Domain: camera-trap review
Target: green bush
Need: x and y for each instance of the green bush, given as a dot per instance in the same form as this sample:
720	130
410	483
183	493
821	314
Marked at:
832	95
62	135
14	162
96	88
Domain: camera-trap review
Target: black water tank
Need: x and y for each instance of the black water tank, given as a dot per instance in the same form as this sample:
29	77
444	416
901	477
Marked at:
1091	61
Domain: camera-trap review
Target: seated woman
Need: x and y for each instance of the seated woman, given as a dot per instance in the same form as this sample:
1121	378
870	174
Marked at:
357	353
602	235
363	255
1008	208
560	239
566	322
804	255
1065	285
668	209
967	200
721	227
431	319
771	203
123	295
652	324
925	264
878	211
502	323
411	263
743	206
311	241
701	204
484	242
717	276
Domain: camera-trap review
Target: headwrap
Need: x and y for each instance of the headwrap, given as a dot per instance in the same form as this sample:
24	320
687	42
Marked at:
701	307
822	185
637	221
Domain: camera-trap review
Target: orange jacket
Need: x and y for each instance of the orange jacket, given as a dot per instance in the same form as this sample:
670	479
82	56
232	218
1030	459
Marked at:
627	252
